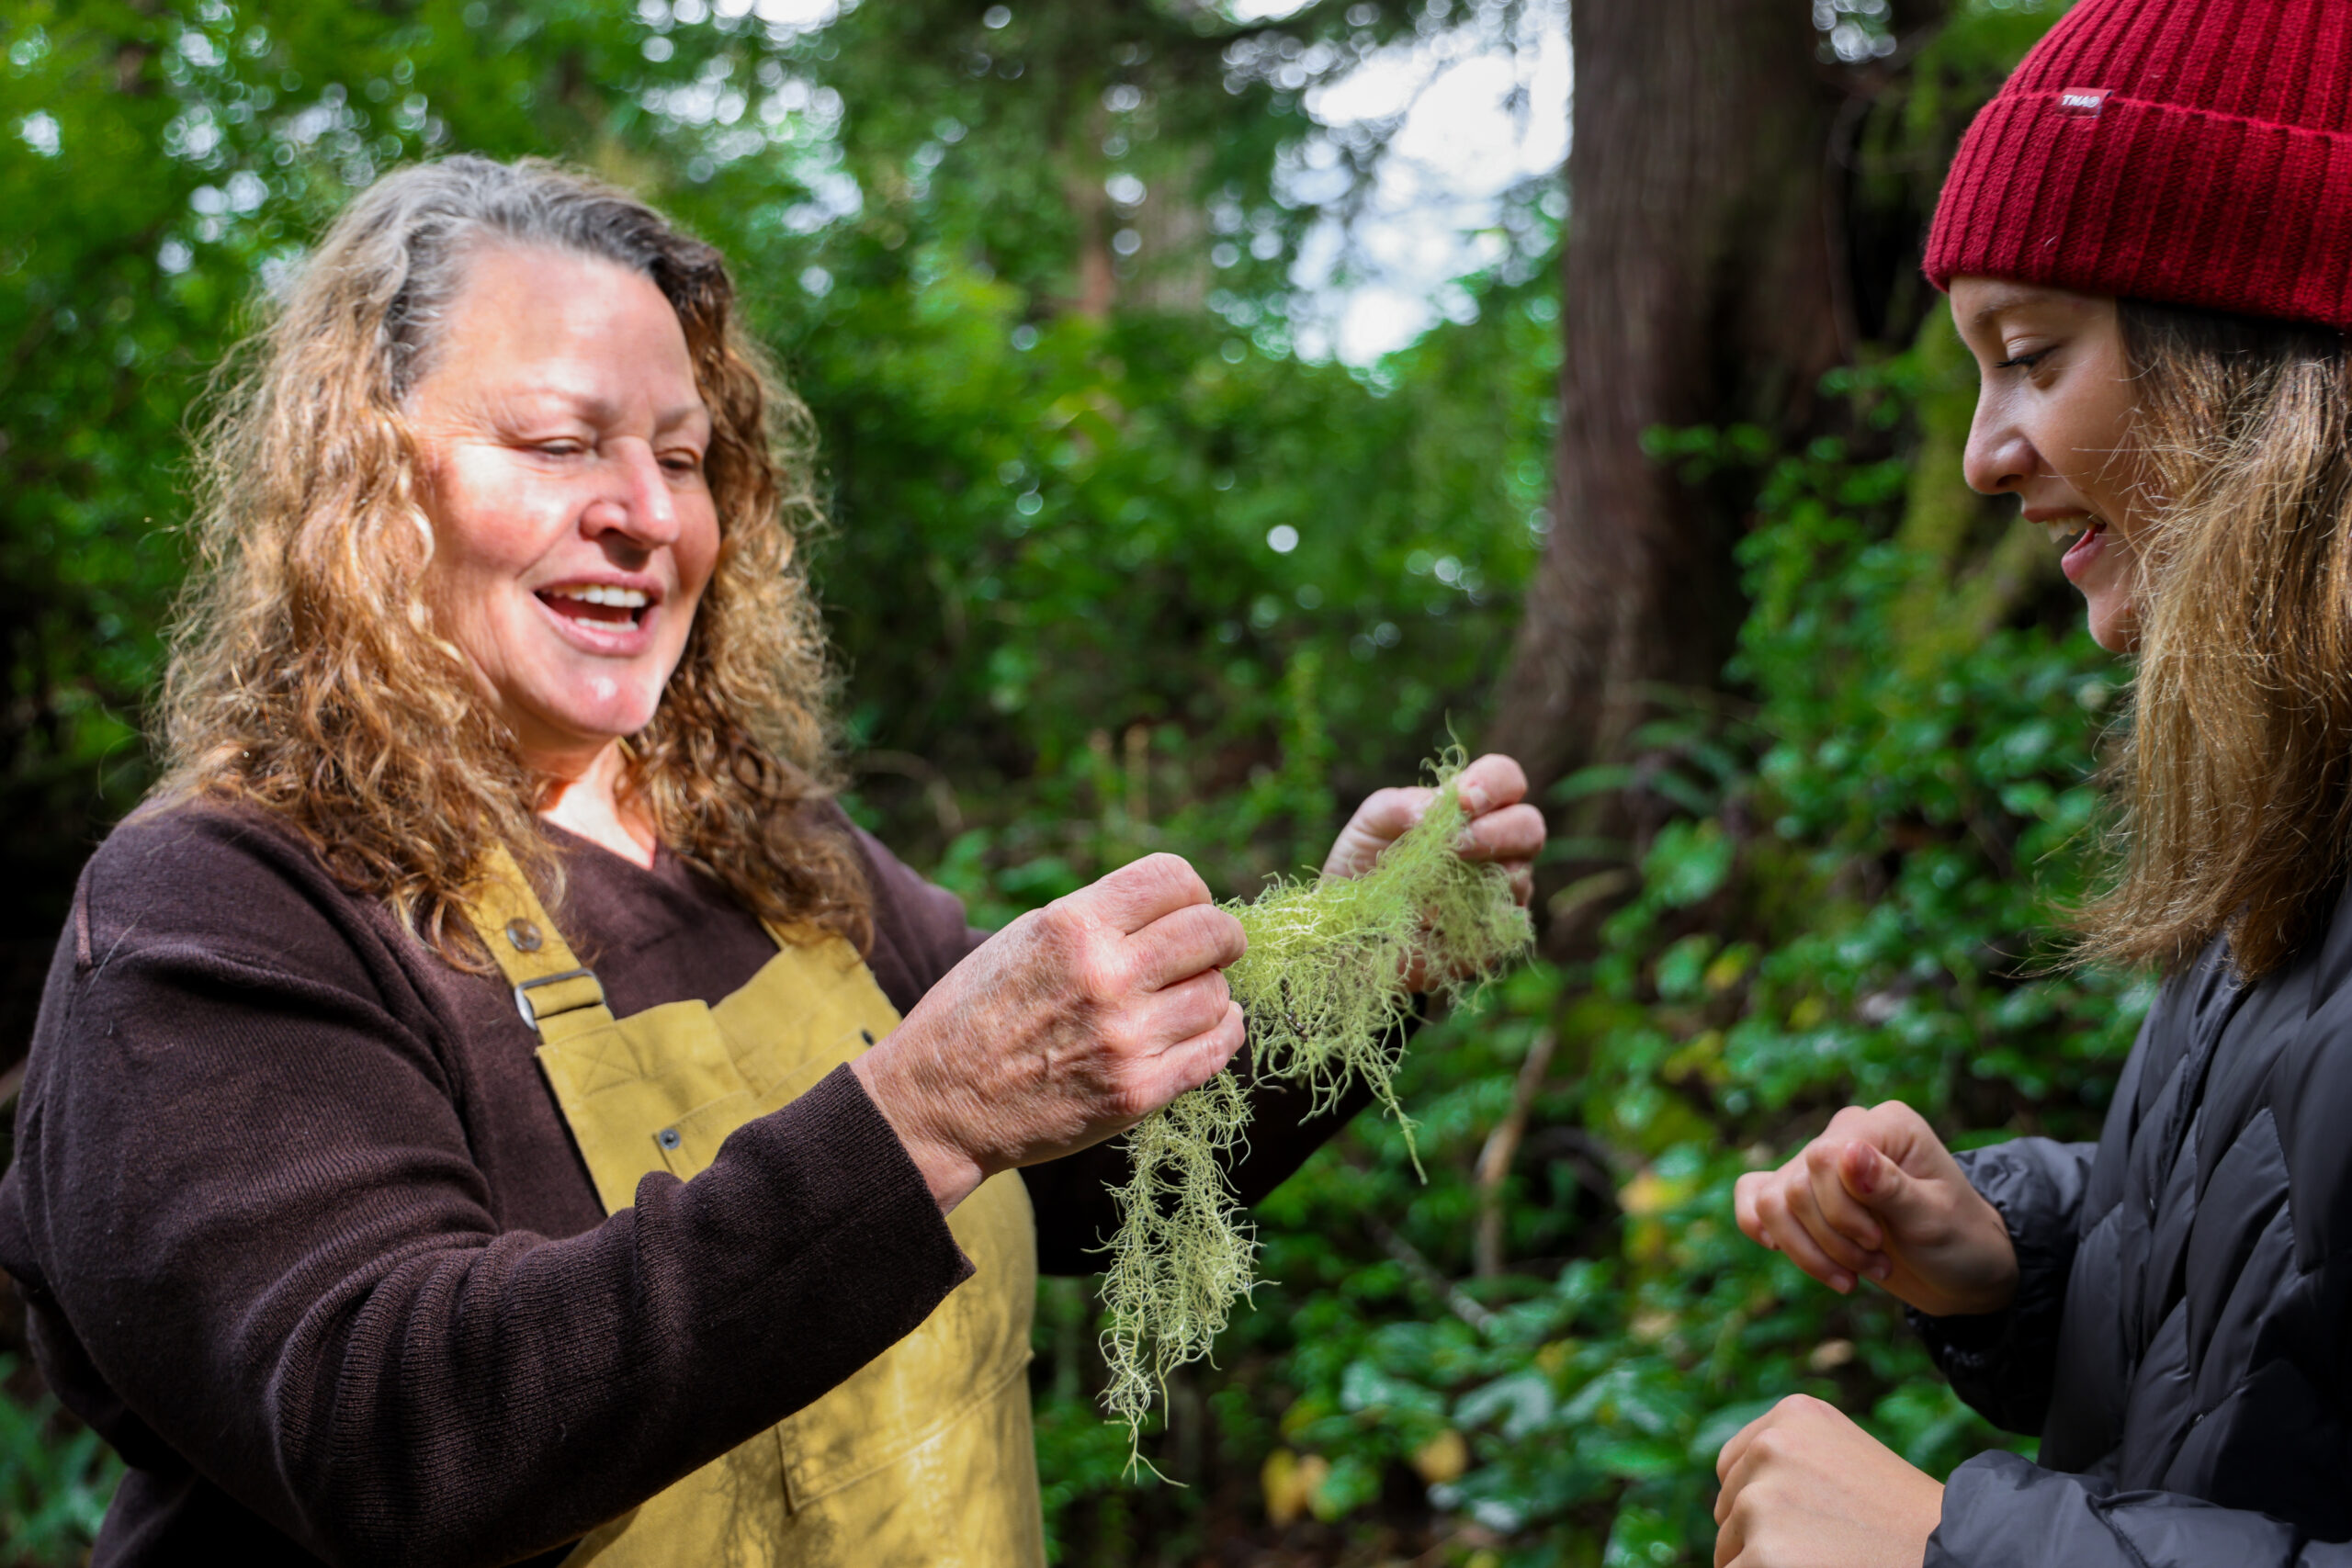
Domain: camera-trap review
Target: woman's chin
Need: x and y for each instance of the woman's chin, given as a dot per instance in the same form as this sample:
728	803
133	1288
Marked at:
580	729
2112	625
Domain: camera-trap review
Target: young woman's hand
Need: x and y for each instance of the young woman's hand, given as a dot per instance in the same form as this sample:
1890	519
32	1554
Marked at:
1879	1196
1502	826
1073	1023
1804	1487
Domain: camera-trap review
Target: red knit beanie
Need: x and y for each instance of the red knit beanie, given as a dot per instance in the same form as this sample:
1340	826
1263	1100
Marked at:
2185	152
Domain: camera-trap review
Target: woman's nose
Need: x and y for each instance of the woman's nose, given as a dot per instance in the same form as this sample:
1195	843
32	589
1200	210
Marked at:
636	499
1998	457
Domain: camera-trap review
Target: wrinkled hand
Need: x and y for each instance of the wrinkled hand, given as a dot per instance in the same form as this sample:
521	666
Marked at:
1804	1487
1502	826
1071	1024
1879	1196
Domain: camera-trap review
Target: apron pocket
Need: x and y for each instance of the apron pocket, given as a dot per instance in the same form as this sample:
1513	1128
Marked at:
687	1146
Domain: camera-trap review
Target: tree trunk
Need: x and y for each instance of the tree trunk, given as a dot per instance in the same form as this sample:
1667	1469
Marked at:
1697	289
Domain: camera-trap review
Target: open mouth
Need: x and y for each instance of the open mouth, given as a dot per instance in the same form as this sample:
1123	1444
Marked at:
597	605
2066	532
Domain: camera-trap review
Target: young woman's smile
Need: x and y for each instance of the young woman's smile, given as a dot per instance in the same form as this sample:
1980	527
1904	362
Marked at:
2054	427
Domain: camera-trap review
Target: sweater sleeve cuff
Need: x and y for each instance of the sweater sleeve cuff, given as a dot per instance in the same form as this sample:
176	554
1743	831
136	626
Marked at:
874	1158
863	1192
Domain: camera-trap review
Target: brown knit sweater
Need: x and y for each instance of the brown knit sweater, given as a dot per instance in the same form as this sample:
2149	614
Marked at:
301	1232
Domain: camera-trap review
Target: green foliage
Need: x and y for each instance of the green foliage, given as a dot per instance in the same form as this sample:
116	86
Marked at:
1325	986
1055	569
54	1483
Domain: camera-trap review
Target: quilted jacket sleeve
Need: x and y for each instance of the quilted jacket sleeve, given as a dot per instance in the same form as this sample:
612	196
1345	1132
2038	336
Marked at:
2001	1512
2002	1362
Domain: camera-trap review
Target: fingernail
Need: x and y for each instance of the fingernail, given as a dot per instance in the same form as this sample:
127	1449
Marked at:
1881	1270
1841	1282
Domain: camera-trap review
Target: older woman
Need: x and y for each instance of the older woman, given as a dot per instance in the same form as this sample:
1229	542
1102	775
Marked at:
451	1133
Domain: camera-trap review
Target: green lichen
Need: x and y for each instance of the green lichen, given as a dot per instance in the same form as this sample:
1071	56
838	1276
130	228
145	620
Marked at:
1182	1254
1325	985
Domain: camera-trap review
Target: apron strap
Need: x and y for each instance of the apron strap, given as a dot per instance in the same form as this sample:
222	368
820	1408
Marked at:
557	995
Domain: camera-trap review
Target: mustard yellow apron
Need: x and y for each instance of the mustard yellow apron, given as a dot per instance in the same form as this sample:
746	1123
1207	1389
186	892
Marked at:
924	1457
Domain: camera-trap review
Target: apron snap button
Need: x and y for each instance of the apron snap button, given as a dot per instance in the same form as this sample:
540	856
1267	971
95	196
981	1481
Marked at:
668	1137
868	1035
524	935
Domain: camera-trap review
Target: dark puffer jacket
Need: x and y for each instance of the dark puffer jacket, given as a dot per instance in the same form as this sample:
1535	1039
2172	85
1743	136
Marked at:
2184	1310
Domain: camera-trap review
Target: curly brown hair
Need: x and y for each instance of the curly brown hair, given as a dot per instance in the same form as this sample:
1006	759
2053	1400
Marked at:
306	676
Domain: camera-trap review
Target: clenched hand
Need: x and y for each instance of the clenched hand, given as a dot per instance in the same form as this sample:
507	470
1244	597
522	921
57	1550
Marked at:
1071	1024
1501	826
1879	1196
1804	1487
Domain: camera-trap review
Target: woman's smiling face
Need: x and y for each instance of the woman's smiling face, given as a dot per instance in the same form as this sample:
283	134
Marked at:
2054	426
562	436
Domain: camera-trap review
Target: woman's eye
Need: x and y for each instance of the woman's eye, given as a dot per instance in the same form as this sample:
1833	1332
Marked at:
2022	361
683	462
560	448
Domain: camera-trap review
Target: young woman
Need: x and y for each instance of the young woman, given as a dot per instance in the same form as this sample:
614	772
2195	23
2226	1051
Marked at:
2147	239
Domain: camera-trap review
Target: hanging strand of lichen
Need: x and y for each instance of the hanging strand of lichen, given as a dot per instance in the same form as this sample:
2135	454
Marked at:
1325	986
1181	1255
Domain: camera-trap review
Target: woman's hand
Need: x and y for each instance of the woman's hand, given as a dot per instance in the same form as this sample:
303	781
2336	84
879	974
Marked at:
1879	1195
1804	1487
1073	1023
1502	826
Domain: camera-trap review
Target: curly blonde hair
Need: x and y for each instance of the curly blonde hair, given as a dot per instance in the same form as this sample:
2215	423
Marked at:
306	676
